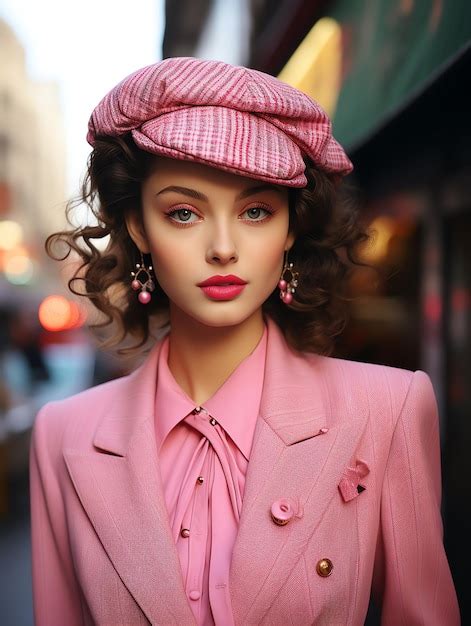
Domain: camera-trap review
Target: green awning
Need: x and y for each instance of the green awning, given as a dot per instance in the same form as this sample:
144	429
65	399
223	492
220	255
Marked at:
391	50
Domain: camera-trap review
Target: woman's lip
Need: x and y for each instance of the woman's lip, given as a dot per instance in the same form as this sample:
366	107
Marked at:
222	292
230	279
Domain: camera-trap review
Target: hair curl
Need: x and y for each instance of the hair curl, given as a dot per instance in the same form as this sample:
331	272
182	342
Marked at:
323	222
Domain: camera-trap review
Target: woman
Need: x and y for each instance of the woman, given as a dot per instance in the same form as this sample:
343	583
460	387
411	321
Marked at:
241	475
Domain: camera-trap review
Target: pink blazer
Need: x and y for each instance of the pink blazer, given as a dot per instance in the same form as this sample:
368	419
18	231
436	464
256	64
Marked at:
353	447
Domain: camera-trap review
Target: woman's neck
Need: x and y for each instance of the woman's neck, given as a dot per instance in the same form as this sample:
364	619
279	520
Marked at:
201	357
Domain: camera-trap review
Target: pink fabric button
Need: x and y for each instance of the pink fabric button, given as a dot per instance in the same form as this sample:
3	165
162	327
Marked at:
195	594
282	511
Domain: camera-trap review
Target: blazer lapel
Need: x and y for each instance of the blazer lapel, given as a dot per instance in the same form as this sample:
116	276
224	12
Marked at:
300	450
120	488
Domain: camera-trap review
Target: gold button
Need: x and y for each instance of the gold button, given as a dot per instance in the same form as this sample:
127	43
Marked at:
185	532
324	567
200	479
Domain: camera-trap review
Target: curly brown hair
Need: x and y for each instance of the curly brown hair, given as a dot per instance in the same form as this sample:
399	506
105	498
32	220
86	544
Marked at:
327	229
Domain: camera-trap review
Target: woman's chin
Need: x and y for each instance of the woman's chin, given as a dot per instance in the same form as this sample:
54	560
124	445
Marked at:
219	315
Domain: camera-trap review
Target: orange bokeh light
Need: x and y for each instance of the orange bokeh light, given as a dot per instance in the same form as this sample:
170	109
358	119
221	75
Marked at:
57	313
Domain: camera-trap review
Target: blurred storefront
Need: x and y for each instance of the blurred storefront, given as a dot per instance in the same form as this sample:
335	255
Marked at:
394	76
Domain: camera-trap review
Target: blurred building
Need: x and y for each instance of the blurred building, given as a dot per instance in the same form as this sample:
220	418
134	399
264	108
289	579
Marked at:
184	22
32	193
32	153
208	29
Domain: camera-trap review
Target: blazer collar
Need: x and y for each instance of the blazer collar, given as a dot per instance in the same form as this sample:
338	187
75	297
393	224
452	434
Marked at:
292	401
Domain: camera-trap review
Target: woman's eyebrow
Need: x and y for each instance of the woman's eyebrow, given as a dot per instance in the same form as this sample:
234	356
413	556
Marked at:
186	191
197	195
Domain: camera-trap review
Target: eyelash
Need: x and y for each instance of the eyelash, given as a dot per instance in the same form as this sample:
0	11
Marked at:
174	210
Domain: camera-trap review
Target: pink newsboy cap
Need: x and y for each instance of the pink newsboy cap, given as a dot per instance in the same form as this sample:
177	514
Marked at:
232	118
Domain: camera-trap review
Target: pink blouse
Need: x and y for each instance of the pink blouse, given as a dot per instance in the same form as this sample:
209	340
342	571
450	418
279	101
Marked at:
203	454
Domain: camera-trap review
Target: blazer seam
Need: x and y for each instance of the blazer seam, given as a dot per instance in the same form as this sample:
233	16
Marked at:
308	584
400	412
357	569
398	419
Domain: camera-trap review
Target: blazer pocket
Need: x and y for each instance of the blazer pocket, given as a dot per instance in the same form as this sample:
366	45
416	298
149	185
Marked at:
350	484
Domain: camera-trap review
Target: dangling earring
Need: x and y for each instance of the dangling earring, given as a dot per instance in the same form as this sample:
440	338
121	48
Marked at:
288	281
142	279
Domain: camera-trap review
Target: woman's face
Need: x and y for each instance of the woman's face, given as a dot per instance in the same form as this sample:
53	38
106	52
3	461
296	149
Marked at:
199	222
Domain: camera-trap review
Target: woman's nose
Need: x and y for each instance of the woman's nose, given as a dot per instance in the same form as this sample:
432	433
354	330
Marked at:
222	247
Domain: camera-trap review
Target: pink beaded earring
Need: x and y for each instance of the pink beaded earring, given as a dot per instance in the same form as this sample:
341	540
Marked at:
288	281
142	279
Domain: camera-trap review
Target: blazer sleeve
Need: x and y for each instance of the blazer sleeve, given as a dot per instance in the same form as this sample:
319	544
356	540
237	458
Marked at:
412	575
56	597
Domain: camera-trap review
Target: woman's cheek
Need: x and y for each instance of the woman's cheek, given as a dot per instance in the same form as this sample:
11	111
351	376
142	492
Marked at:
169	255
270	258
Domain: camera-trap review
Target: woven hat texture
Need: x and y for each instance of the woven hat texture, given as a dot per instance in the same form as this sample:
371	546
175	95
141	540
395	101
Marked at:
230	117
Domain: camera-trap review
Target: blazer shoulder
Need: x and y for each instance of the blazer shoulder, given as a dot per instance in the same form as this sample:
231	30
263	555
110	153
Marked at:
373	373
81	410
388	391
372	383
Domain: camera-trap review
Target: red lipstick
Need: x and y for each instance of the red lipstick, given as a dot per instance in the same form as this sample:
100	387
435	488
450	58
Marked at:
222	287
230	279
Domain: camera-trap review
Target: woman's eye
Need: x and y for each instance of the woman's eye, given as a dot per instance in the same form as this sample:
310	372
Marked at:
257	213
182	215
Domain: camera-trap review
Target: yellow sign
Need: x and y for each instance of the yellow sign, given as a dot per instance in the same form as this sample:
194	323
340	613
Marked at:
316	66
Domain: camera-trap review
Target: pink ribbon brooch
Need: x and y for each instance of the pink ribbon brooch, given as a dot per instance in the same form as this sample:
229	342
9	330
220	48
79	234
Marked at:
350	485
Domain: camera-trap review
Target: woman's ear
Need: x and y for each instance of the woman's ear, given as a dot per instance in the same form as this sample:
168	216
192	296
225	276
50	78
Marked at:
136	231
290	239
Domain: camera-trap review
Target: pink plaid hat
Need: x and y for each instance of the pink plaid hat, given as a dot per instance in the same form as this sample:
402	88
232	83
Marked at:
233	118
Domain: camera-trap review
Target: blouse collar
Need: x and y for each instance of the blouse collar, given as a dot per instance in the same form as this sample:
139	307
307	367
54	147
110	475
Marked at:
235	405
